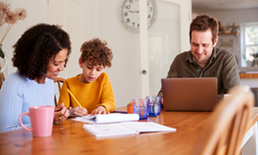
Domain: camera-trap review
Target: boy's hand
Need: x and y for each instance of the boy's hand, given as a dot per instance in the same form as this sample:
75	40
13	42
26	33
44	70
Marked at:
61	113
78	111
99	110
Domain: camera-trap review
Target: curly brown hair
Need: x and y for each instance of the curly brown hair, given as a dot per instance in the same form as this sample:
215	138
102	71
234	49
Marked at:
97	52
35	48
203	23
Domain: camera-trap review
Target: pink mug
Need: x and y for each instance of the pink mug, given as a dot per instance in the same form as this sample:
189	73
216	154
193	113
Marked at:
41	118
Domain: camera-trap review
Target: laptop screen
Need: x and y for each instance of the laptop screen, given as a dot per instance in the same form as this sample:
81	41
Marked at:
189	94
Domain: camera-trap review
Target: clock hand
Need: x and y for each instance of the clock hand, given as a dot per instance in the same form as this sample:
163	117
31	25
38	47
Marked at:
133	11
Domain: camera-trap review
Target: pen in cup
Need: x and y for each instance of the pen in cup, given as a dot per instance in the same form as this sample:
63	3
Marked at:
74	97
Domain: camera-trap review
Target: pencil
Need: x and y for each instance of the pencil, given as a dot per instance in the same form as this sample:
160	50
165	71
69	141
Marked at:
74	97
120	112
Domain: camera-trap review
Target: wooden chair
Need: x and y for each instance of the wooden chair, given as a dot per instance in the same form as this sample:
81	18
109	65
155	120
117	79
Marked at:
2	77
59	82
225	128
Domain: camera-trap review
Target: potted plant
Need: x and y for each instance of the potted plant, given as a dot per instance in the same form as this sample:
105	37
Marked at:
255	61
9	17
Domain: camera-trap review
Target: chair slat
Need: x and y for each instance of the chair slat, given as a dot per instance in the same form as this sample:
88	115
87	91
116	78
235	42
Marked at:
225	128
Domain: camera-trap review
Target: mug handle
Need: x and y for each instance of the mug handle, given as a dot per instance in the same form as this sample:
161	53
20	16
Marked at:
20	121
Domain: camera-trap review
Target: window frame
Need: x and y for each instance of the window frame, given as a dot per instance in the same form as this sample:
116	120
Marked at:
243	45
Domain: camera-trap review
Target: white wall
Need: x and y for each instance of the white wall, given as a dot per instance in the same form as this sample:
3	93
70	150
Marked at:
227	18
107	25
72	16
36	13
104	21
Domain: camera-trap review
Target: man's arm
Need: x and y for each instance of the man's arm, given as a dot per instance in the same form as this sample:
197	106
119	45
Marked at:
230	76
172	73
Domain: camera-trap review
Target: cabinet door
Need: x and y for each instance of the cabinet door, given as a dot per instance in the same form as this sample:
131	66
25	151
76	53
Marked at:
168	36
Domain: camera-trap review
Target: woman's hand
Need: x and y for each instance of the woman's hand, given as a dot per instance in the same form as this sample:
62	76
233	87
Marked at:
61	113
99	110
78	111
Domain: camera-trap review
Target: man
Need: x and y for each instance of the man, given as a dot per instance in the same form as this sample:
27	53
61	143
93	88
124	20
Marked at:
204	60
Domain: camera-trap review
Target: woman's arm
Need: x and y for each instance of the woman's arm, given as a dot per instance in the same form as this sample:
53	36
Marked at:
11	104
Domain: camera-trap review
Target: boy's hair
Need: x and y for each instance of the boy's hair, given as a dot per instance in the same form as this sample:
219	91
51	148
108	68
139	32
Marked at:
96	52
37	46
203	23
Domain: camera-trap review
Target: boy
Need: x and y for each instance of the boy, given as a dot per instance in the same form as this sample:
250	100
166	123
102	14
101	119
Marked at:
92	89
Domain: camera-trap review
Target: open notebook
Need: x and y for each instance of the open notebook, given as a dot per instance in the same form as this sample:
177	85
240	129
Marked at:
125	128
109	118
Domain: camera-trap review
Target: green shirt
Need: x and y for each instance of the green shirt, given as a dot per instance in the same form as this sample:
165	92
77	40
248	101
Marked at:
222	65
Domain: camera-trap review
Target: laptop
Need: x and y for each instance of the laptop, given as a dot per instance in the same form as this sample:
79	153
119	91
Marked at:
189	94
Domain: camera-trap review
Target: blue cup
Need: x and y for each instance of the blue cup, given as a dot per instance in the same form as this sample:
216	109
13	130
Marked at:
154	105
140	107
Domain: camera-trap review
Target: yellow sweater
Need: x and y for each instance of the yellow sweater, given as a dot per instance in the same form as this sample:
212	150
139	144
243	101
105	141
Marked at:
89	95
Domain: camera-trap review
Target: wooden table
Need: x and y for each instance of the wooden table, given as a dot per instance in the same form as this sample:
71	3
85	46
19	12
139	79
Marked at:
70	138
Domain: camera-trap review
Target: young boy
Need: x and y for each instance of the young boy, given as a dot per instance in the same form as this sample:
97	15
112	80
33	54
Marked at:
92	89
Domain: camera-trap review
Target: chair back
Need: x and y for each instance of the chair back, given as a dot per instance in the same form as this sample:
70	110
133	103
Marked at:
2	68
2	78
59	81
225	128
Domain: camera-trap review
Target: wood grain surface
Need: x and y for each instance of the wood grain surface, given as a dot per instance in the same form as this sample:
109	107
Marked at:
70	138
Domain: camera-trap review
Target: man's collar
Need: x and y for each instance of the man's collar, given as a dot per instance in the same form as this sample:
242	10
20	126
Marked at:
189	56
215	52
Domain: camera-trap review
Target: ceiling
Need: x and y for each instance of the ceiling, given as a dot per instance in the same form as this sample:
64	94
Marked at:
219	5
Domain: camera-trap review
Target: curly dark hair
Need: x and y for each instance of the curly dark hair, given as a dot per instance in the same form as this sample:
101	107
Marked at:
203	23
35	48
97	52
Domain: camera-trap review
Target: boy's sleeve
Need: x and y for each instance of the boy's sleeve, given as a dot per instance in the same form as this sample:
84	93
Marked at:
107	97
64	96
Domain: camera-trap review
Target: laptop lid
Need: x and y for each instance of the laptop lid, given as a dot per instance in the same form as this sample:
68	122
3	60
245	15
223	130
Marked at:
189	94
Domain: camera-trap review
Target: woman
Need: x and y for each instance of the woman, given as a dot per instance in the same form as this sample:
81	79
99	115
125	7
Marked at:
39	55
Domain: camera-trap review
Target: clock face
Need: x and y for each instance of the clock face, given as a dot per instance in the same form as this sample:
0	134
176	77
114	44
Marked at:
130	14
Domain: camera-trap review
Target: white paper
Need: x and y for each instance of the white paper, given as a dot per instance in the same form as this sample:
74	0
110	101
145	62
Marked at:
109	118
103	130
147	127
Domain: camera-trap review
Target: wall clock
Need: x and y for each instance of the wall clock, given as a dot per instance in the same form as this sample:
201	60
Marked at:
130	14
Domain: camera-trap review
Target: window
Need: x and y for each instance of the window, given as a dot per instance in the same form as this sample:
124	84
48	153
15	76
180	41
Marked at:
249	46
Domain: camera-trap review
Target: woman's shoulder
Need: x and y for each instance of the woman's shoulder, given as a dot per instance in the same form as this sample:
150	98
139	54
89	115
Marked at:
15	78
49	81
14	81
